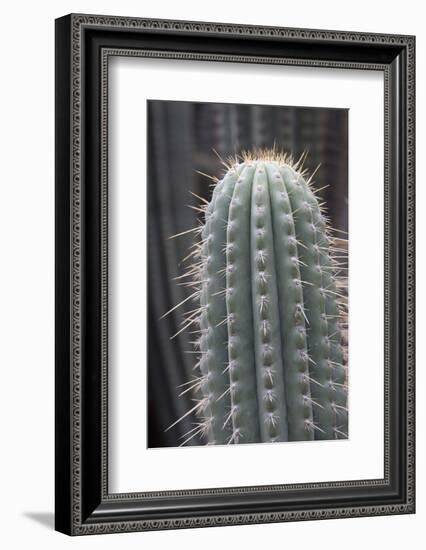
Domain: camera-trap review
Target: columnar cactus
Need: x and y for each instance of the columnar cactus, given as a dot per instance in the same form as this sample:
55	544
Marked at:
269	319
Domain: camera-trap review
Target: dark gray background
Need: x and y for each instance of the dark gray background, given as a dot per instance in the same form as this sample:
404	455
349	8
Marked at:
181	140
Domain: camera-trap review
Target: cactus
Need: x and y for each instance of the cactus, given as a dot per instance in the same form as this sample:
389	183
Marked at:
271	306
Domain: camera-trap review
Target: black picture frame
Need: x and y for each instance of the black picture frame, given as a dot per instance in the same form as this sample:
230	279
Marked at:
83	45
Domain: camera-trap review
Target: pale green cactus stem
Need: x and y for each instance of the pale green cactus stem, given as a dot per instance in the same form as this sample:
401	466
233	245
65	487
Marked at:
271	355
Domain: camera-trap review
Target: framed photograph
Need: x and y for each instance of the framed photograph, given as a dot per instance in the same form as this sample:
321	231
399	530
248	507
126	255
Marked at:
234	274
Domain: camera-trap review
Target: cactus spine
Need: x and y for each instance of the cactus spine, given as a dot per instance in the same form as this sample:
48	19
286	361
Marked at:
270	309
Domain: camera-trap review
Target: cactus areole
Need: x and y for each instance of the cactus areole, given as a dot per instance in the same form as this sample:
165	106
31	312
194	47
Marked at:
271	360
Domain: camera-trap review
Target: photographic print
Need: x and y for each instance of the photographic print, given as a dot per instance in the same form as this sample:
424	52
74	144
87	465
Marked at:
202	254
206	242
247	274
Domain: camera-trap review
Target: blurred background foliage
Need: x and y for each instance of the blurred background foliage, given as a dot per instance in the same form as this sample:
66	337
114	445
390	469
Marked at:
182	140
